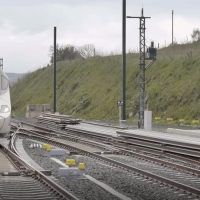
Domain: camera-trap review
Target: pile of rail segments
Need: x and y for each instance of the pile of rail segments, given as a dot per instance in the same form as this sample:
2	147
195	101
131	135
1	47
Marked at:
60	121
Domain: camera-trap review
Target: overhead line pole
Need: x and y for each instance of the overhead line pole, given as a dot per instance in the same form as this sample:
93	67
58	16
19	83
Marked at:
54	60
124	59
142	69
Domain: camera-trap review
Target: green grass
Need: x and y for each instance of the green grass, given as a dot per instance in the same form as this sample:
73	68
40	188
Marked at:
90	88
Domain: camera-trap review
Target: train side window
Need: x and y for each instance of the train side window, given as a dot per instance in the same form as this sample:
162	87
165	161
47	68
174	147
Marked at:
4	82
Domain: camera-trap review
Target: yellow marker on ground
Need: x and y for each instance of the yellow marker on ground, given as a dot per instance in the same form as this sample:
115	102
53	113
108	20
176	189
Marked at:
170	119
195	121
81	166
157	118
49	148
181	120
45	146
70	162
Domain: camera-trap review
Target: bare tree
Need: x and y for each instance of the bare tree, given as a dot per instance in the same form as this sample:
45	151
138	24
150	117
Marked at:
195	34
87	50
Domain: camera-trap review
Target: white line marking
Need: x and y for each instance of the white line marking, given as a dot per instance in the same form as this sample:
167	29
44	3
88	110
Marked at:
108	188
59	162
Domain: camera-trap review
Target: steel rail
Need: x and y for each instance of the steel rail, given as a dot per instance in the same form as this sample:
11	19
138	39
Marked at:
156	152
139	145
116	163
16	162
90	133
159	161
37	174
146	141
184	149
71	131
75	138
120	150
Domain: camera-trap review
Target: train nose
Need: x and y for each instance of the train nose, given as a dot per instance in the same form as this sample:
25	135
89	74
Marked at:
2	120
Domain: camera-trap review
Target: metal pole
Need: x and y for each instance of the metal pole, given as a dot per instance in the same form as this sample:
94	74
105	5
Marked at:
120	115
142	69
172	28
54	59
124	58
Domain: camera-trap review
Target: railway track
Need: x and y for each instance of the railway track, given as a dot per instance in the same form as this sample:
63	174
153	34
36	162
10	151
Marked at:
138	156
28	183
91	140
124	139
15	187
109	144
177	181
154	172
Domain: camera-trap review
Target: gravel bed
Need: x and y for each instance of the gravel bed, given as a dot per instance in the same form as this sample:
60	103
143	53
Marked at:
163	171
82	188
172	160
128	184
166	158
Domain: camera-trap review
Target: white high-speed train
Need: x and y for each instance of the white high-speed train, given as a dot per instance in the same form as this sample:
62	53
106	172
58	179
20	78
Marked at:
5	104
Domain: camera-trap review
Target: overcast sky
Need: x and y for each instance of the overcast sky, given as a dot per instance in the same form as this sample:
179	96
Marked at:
26	26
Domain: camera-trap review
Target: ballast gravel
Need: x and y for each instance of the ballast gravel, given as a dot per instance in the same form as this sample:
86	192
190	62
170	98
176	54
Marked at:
172	160
130	185
172	174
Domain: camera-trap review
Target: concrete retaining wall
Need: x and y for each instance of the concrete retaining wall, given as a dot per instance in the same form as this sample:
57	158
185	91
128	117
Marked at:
35	110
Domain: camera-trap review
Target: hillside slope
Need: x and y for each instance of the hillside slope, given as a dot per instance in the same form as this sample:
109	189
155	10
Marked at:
13	77
90	88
